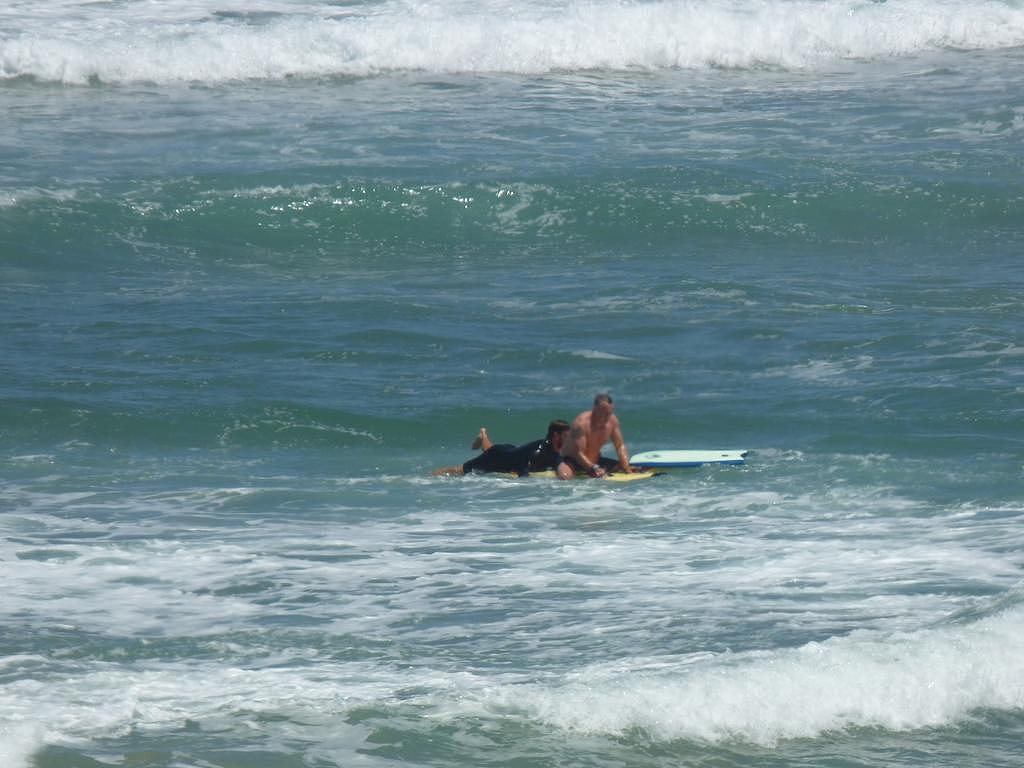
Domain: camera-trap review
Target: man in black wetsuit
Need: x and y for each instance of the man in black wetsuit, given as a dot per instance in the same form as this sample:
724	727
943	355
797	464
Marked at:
537	456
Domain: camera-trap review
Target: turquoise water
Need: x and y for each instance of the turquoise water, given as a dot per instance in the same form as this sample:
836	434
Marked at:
264	266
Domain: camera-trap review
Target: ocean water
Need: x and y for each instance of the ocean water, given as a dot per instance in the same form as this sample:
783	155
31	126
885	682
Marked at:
264	265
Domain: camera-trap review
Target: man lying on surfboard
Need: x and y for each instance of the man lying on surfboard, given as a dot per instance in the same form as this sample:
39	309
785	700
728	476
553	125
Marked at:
538	456
569	451
589	432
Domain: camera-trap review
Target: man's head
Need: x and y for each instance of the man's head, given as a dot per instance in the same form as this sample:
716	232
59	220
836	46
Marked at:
557	431
603	404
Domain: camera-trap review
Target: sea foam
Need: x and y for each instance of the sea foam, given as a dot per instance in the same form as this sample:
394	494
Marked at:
118	46
901	681
18	742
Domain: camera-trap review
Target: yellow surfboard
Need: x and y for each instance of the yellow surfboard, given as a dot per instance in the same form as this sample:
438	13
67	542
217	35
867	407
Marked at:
615	477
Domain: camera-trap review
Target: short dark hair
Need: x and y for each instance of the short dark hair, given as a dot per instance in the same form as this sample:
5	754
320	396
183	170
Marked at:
603	397
557	426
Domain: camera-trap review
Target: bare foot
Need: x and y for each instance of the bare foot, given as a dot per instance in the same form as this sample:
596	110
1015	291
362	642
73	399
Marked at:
448	471
482	442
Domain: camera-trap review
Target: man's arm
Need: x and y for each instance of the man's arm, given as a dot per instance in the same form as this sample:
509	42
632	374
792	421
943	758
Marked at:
564	471
581	440
578	437
620	447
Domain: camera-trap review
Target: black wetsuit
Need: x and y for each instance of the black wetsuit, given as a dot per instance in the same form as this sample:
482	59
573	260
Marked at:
523	459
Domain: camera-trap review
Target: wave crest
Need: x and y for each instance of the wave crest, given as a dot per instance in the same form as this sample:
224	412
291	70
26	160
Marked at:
489	39
906	681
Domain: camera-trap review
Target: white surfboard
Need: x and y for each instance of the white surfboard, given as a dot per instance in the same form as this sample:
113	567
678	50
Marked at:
667	459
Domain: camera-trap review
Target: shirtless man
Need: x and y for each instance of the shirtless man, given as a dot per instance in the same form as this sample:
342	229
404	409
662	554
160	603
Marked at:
588	433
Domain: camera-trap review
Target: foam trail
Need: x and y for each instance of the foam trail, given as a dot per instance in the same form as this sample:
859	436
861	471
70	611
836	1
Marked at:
928	678
528	39
18	743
